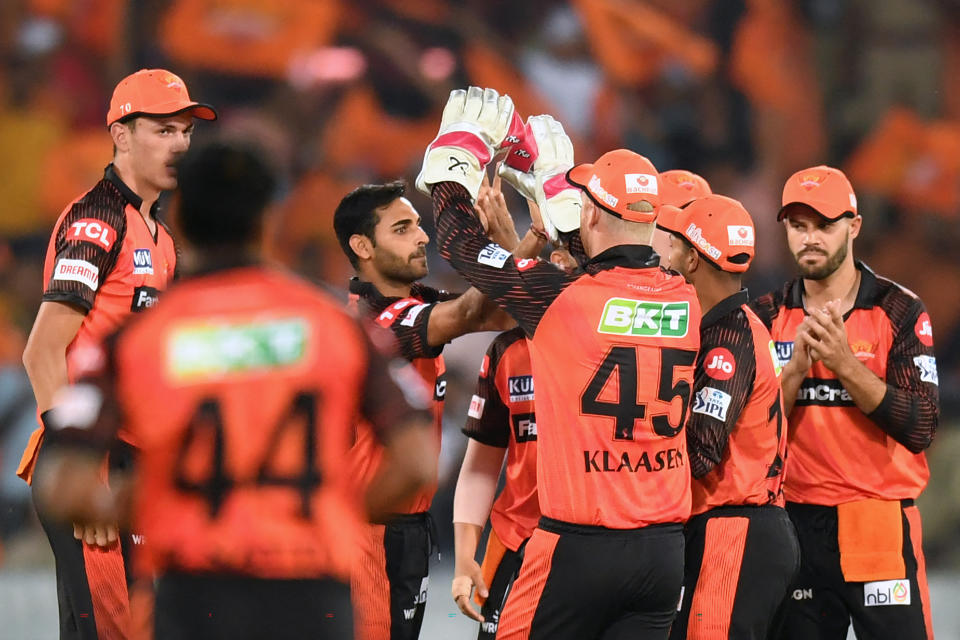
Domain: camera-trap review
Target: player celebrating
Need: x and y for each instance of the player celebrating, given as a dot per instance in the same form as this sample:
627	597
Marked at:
379	230
612	353
860	392
243	427
109	255
741	550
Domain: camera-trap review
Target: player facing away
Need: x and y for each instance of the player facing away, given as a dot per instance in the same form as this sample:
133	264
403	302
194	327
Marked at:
612	353
741	549
379	231
109	255
860	393
241	391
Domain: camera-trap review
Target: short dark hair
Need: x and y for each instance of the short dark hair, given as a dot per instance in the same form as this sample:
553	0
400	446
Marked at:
357	212
224	189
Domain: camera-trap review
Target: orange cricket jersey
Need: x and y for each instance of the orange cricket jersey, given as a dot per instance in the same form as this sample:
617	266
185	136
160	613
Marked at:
613	358
837	453
736	436
407	319
103	259
243	390
502	414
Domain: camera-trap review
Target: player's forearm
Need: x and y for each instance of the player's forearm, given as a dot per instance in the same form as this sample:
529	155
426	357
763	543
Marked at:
410	463
790	380
466	539
864	387
46	367
530	246
907	416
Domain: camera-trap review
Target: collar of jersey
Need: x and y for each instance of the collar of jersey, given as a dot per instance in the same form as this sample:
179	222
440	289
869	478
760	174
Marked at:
128	193
724	308
631	256
371	294
866	295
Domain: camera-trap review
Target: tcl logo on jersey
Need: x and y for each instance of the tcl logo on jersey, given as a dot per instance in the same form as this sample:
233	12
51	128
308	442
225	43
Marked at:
413	314
622	316
92	230
440	391
144	298
924	329
784	352
520	388
823	392
476	407
712	402
524	427
142	261
719	364
928	369
886	592
78	271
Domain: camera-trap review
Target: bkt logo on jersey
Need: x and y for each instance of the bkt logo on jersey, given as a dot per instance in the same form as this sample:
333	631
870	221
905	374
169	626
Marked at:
784	352
622	316
524	427
142	261
520	388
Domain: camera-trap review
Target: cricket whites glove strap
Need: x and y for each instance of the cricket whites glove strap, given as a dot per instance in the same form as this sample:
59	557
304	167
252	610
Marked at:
476	125
545	182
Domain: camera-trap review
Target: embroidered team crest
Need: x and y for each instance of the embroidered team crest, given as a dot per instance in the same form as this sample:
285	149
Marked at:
810	181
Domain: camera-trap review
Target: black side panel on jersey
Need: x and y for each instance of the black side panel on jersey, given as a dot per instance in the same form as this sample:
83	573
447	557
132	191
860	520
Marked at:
492	425
88	243
720	393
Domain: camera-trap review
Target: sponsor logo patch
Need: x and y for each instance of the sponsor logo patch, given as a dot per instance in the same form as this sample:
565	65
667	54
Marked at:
493	255
886	593
77	271
928	368
640	183
92	230
411	316
524	427
142	261
484	366
440	390
924	330
391	313
144	298
520	388
823	392
777	367
695	235
622	316
740	235
712	402
720	364
525	263
784	352
602	194
476	407
802	594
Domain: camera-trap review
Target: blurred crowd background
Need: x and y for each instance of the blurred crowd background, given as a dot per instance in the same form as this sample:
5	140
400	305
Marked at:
342	92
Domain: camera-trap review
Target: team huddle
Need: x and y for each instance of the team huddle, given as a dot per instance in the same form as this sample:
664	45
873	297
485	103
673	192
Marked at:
251	459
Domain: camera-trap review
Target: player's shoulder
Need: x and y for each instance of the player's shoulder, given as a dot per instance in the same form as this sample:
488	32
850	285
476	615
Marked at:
769	305
900	304
506	342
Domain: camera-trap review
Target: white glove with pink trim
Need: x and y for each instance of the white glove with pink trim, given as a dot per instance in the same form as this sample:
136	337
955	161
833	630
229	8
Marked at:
476	125
545	182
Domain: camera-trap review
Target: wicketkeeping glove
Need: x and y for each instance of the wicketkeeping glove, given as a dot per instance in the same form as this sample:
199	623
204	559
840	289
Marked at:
476	125
545	181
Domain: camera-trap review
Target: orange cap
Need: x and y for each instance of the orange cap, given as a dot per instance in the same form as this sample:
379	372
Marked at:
617	180
718	227
822	188
679	187
154	92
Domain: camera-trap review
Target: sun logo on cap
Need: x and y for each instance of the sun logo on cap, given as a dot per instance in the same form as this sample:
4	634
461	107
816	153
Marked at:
810	180
171	81
682	180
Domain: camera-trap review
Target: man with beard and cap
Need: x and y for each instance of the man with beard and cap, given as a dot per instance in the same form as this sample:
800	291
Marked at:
379	231
110	255
741	550
860	393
